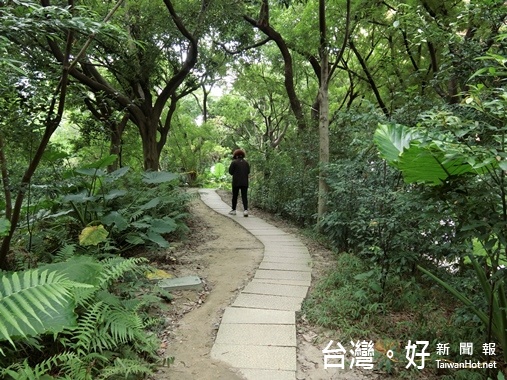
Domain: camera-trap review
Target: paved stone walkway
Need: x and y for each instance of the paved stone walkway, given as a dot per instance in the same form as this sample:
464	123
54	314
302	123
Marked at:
257	334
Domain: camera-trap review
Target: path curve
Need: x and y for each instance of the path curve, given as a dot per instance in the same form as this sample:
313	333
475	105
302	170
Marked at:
257	334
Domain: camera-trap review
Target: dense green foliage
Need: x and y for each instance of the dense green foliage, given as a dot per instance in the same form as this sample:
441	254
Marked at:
130	209
91	95
85	319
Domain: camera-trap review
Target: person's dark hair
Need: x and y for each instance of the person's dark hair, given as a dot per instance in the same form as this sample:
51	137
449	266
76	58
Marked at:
238	153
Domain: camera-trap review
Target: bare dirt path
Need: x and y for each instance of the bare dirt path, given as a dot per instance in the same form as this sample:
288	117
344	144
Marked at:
225	256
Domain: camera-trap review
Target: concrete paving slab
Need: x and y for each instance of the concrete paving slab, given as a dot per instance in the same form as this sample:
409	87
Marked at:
240	315
263	301
285	266
277	240
268	230
282	274
275	234
286	252
287	255
256	287
181	283
280	241
252	221
273	258
256	357
294	256
284	282
257	335
267	374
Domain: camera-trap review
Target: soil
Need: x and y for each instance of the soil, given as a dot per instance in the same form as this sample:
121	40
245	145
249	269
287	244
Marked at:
225	256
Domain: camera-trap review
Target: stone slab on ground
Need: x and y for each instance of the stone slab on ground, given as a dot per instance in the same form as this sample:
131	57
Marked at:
268	374
181	283
242	315
285	266
268	231
283	281
283	275
296	253
281	244
256	357
257	335
257	287
274	258
262	301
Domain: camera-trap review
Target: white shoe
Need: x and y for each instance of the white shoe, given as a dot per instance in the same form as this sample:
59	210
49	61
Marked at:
245	213
232	212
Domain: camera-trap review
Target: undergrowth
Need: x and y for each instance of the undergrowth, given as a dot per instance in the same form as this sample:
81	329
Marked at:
348	301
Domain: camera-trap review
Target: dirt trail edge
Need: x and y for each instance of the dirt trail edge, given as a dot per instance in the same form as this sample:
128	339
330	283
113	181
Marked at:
225	258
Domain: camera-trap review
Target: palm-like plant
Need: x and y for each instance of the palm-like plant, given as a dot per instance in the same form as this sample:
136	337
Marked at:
439	159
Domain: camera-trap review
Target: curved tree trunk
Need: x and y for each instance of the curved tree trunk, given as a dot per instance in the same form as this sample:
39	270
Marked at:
263	25
145	109
53	119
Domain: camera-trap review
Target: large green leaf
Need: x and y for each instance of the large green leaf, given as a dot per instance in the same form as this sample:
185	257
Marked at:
392	140
91	172
103	162
159	177
115	218
163	226
134	239
157	239
35	302
115	193
93	235
151	204
81	269
427	163
218	170
82	197
116	174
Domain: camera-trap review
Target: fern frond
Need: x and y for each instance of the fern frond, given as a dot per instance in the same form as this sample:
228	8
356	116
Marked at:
83	367
24	371
65	253
115	268
88	324
126	368
21	371
150	322
34	302
136	215
123	326
108	298
83	269
132	304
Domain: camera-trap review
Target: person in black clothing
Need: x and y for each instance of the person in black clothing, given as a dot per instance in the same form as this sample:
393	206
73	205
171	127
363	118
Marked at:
240	170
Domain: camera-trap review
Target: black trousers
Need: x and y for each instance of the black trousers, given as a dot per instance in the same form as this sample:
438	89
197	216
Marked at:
244	198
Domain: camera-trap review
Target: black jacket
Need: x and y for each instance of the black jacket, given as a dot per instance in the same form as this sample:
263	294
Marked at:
239	169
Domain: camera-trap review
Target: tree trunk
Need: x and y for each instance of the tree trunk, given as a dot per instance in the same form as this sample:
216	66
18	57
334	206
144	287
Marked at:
263	25
323	113
151	157
53	119
5	181
115	146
